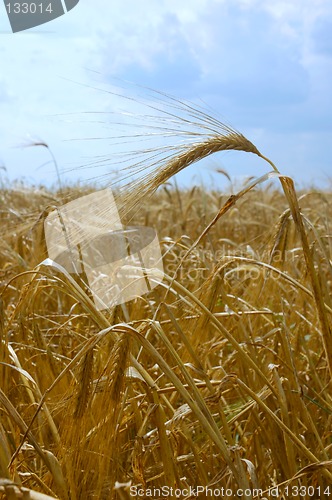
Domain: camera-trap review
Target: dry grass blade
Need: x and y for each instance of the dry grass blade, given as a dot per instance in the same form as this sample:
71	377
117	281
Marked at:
47	457
284	427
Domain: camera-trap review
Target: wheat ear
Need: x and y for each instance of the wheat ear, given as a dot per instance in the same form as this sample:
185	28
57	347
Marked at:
186	156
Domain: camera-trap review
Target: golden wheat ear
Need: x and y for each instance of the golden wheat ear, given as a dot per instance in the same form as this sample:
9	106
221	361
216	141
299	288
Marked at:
186	155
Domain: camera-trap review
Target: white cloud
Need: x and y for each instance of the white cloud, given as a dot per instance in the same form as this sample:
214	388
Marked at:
262	64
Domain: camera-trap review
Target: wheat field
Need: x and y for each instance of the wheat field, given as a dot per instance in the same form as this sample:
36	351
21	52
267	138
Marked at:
216	383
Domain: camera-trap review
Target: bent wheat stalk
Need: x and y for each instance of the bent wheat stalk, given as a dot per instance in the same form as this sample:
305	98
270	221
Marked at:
230	139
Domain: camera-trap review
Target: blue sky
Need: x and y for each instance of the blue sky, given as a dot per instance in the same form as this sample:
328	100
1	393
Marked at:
265	67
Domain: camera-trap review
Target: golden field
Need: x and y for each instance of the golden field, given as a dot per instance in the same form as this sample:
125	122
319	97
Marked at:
216	383
218	378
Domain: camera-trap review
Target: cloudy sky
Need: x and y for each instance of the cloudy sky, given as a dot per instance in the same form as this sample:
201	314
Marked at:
263	66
